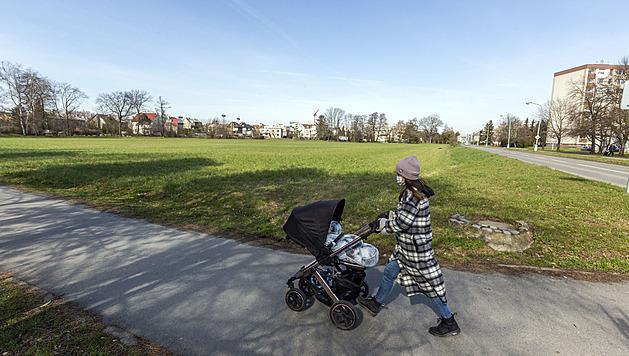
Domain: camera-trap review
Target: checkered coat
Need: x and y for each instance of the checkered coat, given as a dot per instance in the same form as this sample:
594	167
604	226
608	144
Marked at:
419	270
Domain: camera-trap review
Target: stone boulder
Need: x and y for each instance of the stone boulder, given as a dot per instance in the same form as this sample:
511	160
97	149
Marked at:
498	235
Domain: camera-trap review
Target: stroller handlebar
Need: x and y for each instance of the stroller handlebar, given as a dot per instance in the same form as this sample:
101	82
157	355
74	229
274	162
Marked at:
364	232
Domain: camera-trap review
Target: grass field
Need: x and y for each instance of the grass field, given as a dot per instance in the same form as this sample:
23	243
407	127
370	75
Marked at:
249	187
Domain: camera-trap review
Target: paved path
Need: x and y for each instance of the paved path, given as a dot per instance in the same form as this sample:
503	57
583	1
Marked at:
604	172
199	295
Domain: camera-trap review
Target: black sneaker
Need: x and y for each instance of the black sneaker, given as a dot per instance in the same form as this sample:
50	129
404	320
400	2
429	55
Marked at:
370	304
447	327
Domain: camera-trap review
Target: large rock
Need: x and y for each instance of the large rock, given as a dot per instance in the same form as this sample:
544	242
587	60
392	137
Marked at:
498	235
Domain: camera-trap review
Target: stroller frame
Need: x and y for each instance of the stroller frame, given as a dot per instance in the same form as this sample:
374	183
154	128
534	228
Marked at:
311	268
308	226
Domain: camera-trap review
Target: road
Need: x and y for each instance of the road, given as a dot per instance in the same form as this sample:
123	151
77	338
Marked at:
198	295
604	172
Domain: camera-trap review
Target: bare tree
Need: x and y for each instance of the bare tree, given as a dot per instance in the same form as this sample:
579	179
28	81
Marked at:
66	100
372	122
118	104
139	98
162	106
429	126
508	129
29	92
37	96
12	76
562	112
593	120
619	117
334	119
382	123
357	128
450	137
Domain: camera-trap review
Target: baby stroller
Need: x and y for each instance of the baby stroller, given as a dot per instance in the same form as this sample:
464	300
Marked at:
336	276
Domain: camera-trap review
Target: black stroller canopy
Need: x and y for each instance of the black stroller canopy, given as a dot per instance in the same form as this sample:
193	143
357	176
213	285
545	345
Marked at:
308	225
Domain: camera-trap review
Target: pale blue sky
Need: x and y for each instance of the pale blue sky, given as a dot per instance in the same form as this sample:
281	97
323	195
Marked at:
278	61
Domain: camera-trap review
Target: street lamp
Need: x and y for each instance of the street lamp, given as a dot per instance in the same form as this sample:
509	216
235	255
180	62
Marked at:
538	122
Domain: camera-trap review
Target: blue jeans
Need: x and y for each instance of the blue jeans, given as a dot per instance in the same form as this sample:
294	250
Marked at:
391	271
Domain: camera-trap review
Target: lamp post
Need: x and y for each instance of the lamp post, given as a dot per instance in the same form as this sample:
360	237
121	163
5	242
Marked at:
538	122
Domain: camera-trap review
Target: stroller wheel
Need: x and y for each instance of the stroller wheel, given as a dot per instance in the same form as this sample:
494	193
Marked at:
305	287
364	290
296	299
343	315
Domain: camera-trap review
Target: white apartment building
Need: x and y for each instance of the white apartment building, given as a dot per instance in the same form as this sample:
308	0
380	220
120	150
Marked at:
274	131
588	76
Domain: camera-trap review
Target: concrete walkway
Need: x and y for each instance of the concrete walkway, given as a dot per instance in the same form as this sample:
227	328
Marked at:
199	295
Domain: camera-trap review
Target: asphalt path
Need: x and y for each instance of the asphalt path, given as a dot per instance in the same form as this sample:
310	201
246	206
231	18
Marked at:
594	170
200	295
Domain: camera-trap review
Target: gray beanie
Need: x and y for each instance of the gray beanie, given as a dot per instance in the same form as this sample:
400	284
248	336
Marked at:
408	168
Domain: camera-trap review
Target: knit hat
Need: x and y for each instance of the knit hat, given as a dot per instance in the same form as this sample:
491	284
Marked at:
408	168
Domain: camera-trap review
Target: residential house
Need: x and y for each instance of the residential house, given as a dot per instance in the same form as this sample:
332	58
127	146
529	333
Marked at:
180	125
6	124
96	121
308	131
241	129
150	127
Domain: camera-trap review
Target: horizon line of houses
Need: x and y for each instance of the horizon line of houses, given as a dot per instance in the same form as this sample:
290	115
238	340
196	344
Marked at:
235	128
183	126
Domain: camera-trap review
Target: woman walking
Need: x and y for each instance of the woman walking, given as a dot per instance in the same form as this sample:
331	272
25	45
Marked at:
412	263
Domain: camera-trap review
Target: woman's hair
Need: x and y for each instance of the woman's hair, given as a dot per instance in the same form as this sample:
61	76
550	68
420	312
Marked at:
419	188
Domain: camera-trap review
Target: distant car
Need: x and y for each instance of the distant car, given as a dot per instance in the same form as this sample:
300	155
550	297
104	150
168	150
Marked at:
586	148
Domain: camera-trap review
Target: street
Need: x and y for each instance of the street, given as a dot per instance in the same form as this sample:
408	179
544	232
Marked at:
604	172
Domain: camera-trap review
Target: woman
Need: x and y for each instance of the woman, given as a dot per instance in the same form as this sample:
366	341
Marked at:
412	263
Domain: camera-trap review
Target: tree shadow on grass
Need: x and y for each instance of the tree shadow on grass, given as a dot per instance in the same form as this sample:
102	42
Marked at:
70	175
575	179
21	154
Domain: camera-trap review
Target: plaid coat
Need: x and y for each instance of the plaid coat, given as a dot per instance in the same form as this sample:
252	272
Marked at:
419	270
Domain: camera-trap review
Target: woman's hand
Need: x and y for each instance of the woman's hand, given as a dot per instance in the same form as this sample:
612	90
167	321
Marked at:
378	224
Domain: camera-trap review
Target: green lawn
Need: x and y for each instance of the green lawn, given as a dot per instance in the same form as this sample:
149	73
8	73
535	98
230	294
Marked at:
250	187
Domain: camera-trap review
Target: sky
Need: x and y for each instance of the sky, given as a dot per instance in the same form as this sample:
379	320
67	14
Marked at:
268	61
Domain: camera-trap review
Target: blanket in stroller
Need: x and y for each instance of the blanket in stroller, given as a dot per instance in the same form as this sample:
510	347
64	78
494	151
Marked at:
362	253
